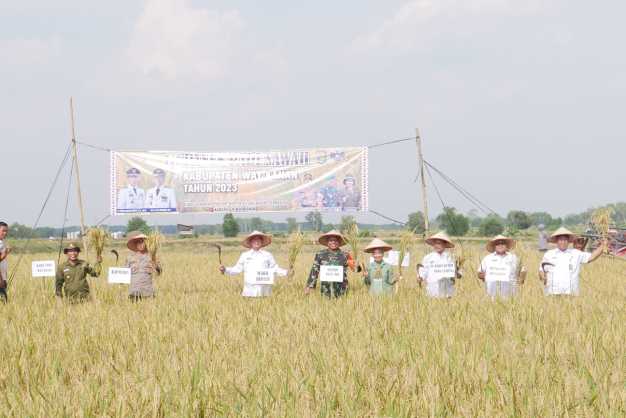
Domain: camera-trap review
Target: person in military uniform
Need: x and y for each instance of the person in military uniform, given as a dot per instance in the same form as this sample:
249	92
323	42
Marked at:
350	197
132	196
332	255
71	278
331	197
160	197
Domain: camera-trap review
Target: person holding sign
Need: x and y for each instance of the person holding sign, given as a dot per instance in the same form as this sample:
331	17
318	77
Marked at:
560	267
438	269
4	264
378	277
499	270
330	266
141	266
257	265
71	278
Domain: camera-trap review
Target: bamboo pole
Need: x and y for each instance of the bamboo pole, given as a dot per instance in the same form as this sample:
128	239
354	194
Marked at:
420	158
78	189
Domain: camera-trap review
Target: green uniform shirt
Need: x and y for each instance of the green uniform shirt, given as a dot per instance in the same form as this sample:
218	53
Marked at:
379	278
329	258
71	279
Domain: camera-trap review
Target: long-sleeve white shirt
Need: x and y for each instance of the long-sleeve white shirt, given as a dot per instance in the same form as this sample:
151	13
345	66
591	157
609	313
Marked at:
436	286
563	270
253	260
507	261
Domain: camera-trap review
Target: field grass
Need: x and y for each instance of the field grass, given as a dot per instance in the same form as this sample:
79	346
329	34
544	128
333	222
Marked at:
199	349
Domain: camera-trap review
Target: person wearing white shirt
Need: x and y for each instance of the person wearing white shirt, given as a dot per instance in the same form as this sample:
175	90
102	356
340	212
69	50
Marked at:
560	267
160	197
5	250
253	262
132	197
439	269
500	270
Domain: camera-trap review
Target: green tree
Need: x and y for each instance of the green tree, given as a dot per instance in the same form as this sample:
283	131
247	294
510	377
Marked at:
315	220
416	222
257	224
230	227
491	226
454	223
519	219
346	223
541	218
137	223
292	225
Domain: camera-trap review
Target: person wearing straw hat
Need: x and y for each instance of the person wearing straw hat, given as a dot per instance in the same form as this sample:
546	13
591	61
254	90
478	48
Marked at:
71	277
499	270
254	260
560	267
142	267
378	277
332	255
438	268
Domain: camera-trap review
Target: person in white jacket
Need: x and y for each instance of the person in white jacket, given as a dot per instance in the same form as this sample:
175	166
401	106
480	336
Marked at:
257	265
500	269
439	269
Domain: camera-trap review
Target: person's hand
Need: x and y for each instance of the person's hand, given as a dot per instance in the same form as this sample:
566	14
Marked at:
99	259
222	269
307	290
481	275
8	250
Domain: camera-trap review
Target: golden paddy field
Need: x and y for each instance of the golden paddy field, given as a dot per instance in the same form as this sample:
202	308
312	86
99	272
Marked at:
200	349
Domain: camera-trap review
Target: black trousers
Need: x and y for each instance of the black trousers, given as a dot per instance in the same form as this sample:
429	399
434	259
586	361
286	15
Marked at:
3	295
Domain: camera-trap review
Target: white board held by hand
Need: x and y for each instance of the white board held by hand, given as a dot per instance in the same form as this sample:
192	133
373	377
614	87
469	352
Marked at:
119	275
442	271
44	268
259	276
498	273
332	274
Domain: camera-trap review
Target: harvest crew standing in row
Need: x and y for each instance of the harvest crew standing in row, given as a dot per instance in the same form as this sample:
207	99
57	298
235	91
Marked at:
253	261
378	277
4	263
71	277
332	255
560	267
439	269
142	267
500	270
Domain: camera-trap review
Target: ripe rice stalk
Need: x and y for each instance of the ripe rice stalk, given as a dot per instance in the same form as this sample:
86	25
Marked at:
296	242
405	246
153	243
601	220
521	250
98	239
352	238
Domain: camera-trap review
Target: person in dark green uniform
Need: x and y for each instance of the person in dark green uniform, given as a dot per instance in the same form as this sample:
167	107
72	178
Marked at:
71	279
378	277
332	255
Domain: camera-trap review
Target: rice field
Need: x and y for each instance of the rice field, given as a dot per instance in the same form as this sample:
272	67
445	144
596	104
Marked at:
199	349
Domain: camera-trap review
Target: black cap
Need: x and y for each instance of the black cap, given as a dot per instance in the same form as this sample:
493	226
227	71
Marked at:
158	172
133	172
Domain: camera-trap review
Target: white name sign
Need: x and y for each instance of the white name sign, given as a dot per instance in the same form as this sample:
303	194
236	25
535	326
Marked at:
259	276
498	273
119	275
442	271
44	268
392	258
331	274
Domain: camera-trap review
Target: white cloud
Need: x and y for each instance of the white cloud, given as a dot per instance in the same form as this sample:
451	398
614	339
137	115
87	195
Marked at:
405	28
173	40
24	53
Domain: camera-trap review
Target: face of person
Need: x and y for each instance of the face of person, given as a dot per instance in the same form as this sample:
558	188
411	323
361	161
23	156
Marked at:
333	243
308	178
141	245
72	255
3	232
579	244
562	242
501	247
439	245
378	255
159	180
133	180
256	243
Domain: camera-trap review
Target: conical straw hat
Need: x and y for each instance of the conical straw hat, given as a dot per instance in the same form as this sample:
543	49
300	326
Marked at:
323	239
377	243
266	239
440	236
133	238
562	232
491	245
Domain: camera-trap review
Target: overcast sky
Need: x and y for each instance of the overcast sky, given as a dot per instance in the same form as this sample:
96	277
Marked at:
521	102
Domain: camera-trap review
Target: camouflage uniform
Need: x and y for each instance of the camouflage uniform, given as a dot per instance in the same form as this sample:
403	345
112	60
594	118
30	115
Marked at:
328	257
71	279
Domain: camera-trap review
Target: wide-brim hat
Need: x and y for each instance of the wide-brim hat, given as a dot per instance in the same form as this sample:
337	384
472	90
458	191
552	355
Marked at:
377	244
561	232
442	236
323	239
491	245
71	247
266	239
133	239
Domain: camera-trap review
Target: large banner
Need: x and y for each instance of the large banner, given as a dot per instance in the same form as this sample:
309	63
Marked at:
324	179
